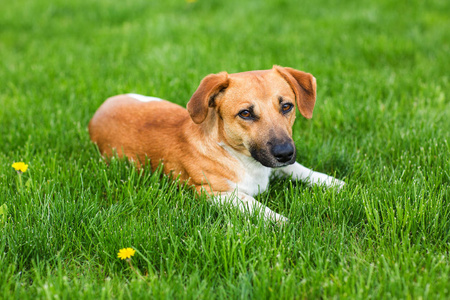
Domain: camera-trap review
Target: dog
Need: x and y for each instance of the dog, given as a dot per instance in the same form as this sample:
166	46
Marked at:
235	133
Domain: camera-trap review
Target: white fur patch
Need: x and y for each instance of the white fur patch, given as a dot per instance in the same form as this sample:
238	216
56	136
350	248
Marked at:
299	172
255	177
144	98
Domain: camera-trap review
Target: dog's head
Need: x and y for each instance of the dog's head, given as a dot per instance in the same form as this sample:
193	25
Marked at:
254	111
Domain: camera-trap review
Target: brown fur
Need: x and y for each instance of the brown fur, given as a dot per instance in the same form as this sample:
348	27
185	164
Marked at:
190	143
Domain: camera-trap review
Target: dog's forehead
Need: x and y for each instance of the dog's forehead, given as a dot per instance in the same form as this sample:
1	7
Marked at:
259	84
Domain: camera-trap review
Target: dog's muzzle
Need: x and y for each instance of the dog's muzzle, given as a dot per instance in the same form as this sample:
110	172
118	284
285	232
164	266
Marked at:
275	155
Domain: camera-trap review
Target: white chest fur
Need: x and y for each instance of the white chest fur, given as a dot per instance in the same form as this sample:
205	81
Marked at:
255	180
254	177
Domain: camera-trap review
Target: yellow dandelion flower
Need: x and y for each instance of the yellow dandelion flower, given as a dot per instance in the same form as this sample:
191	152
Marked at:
126	253
20	167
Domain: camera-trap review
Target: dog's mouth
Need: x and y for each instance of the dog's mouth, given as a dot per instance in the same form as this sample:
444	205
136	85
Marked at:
275	156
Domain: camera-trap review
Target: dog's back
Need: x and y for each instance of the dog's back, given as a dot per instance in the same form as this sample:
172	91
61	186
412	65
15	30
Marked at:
132	127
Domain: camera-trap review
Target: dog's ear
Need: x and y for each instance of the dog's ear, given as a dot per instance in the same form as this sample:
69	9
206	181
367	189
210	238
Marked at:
304	87
204	96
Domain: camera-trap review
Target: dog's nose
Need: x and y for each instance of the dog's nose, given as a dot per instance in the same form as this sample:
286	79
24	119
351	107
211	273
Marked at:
283	152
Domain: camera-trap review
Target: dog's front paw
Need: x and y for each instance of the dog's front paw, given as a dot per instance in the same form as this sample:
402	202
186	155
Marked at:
332	182
339	184
281	220
277	218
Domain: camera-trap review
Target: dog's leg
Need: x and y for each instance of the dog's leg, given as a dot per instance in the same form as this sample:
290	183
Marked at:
248	204
299	172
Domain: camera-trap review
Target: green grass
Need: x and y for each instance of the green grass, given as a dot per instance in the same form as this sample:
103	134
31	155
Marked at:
381	123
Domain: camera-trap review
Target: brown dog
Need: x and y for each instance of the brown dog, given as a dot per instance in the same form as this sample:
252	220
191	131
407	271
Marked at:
237	128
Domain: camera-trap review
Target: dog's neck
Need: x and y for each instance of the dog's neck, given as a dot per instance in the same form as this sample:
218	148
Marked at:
253	177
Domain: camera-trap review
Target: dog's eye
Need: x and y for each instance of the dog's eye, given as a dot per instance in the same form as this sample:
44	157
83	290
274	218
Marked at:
245	114
286	107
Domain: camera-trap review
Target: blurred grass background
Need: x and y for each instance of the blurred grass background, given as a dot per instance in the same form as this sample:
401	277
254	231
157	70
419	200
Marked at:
381	122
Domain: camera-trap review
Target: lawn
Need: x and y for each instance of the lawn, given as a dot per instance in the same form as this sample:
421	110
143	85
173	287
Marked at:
381	123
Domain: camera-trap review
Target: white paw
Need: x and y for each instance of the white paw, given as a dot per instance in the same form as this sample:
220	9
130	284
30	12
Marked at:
327	181
339	184
273	216
282	220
